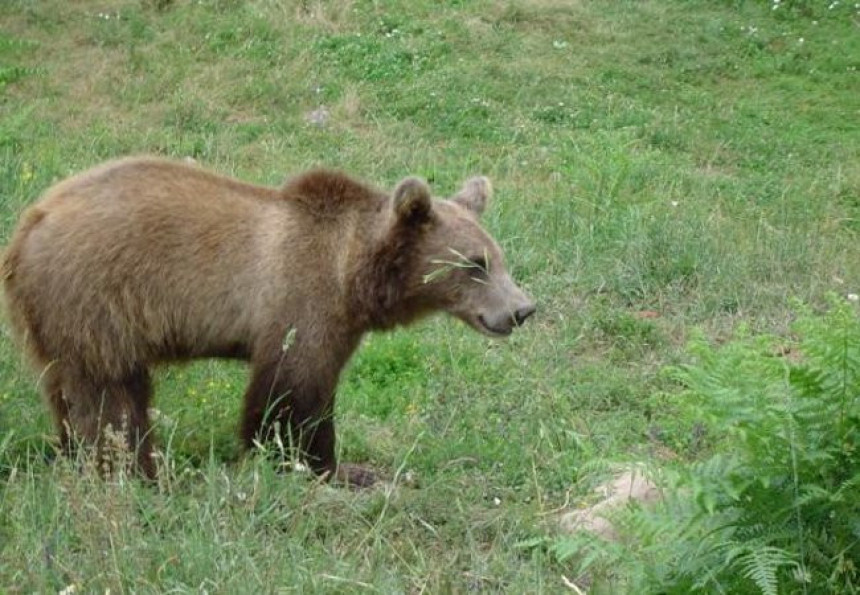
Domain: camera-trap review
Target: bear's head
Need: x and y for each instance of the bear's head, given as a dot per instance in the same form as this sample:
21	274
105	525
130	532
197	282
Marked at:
462	269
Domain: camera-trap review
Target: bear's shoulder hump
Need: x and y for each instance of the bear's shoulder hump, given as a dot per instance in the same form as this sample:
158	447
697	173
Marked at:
330	190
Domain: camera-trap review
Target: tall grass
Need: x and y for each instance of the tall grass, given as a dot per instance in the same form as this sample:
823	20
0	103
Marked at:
659	166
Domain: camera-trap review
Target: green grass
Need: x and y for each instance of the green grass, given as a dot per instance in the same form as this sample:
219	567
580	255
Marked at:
659	166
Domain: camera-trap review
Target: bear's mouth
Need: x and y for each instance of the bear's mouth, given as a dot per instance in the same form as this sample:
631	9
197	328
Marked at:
493	331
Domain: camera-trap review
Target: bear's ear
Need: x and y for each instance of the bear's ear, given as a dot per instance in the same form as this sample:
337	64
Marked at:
412	200
475	194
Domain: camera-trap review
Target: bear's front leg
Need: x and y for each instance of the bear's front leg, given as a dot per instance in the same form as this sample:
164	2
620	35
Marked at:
295	401
318	442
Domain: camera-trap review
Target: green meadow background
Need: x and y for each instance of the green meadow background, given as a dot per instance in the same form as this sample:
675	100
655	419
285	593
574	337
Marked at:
662	169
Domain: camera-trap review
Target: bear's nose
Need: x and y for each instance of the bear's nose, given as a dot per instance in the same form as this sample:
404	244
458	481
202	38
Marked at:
524	312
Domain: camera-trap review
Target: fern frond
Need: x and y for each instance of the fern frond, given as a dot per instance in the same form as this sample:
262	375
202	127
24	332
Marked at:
762	564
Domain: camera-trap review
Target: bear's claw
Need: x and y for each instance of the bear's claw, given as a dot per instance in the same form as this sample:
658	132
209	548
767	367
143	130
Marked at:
354	476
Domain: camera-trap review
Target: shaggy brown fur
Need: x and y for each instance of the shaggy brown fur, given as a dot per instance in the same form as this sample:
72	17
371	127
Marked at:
142	261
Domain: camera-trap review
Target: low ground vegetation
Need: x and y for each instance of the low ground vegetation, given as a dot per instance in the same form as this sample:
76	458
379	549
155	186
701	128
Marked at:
670	177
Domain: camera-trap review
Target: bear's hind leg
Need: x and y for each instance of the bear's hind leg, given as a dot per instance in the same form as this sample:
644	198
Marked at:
113	417
138	387
51	384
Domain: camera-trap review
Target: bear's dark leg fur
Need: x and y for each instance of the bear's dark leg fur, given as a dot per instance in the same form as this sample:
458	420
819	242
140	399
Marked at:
138	387
93	406
52	388
267	392
275	396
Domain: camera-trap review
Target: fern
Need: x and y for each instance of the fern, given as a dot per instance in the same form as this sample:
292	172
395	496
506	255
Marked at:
10	74
776	507
760	564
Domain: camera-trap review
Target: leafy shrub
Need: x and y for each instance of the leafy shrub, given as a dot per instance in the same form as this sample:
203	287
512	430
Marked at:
776	506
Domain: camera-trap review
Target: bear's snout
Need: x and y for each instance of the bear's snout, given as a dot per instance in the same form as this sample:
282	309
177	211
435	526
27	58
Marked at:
523	313
504	320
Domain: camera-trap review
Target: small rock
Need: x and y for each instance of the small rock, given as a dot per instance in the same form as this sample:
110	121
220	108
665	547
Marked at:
631	485
318	117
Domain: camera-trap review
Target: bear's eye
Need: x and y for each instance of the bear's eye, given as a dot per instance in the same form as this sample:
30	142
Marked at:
480	263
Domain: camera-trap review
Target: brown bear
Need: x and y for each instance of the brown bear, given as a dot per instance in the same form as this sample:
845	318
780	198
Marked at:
143	260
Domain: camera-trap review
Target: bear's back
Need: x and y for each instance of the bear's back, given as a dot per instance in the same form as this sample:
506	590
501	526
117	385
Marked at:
143	255
151	256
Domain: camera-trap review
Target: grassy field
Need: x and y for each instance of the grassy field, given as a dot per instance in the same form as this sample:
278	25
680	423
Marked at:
659	167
